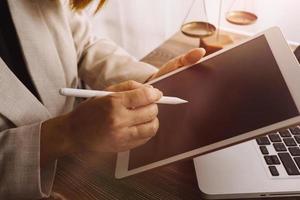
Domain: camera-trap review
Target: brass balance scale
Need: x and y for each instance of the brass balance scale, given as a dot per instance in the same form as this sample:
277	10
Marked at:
209	36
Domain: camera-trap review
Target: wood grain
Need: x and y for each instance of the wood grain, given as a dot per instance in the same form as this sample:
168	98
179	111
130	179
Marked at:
90	176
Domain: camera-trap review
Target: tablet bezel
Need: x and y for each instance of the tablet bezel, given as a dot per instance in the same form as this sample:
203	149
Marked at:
290	70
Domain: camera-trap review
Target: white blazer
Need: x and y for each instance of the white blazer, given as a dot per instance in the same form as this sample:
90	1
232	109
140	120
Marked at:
58	47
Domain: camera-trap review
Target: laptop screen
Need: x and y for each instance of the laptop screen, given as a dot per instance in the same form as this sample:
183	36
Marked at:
235	92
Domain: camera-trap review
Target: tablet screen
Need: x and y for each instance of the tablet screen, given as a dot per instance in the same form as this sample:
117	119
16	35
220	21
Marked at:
232	93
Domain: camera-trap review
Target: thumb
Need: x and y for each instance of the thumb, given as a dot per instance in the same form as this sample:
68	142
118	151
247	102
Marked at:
191	57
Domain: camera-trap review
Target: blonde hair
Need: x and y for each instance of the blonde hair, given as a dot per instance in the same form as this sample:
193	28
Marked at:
81	4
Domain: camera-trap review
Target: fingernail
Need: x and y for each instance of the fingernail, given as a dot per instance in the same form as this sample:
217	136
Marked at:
203	50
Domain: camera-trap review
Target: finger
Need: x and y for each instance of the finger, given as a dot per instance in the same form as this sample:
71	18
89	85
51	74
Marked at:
137	143
189	58
144	131
132	137
140	97
124	86
142	115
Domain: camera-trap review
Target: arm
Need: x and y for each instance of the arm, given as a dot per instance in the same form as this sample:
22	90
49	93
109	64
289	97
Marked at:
109	124
101	62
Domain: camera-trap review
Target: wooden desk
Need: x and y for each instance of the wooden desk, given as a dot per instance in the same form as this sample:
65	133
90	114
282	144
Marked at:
90	176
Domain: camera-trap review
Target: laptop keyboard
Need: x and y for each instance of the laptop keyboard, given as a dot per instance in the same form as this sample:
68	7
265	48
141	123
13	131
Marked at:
286	144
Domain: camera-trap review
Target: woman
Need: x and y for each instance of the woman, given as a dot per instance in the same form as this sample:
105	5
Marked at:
44	46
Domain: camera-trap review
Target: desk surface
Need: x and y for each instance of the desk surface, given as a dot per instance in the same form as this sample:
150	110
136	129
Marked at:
91	176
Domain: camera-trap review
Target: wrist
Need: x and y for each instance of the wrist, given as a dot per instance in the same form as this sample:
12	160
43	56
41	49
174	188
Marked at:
55	140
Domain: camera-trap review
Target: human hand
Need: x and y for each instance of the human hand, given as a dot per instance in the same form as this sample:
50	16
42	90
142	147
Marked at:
191	57
118	122
125	86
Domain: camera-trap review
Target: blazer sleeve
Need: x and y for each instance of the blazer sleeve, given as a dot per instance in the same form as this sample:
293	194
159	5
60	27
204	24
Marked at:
101	61
20	173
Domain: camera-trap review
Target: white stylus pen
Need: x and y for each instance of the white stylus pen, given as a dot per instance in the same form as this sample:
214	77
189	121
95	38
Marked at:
97	93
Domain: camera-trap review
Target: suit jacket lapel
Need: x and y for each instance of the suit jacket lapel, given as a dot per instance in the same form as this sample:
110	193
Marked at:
40	53
17	103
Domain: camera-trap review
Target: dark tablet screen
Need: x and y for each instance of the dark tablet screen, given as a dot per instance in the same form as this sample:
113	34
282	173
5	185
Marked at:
235	92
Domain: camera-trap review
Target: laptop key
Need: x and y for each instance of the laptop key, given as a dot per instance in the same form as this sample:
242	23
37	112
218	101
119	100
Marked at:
272	160
295	130
288	164
297	138
274	137
295	151
285	133
264	150
268	160
297	160
289	142
279	147
275	160
273	171
263	140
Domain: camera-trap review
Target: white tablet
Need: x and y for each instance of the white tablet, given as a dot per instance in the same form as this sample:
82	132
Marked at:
234	95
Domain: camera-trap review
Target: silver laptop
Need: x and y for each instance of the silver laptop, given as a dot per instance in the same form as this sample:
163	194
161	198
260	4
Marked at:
266	167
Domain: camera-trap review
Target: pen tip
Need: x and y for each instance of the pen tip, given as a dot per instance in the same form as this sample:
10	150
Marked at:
182	101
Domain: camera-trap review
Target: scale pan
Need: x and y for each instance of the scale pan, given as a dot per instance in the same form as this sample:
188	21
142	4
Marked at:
198	29
241	17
